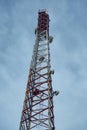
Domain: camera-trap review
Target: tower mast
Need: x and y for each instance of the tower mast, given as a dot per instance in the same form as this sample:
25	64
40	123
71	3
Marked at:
37	113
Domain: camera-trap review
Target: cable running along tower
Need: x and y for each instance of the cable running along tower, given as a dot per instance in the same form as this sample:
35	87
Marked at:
37	113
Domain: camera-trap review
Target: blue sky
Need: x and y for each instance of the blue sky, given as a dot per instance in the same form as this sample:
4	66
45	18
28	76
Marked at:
68	26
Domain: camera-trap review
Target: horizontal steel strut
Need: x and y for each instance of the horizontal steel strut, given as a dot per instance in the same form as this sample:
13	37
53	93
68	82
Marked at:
37	113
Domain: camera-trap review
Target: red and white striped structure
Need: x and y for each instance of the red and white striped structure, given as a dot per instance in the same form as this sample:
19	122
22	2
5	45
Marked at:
37	113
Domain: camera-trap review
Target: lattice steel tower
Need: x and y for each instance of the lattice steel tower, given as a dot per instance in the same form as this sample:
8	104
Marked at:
37	113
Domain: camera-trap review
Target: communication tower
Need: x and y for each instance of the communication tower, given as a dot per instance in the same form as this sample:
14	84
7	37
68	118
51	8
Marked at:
37	113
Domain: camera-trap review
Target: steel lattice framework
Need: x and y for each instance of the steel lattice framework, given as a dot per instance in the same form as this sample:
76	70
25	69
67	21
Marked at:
37	113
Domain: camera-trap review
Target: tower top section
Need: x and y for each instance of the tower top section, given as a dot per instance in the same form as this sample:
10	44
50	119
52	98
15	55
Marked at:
43	10
43	24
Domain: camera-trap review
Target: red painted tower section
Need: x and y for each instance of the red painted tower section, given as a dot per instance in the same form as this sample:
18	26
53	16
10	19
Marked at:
37	113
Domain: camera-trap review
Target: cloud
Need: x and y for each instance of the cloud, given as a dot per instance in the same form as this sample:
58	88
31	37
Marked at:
68	57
